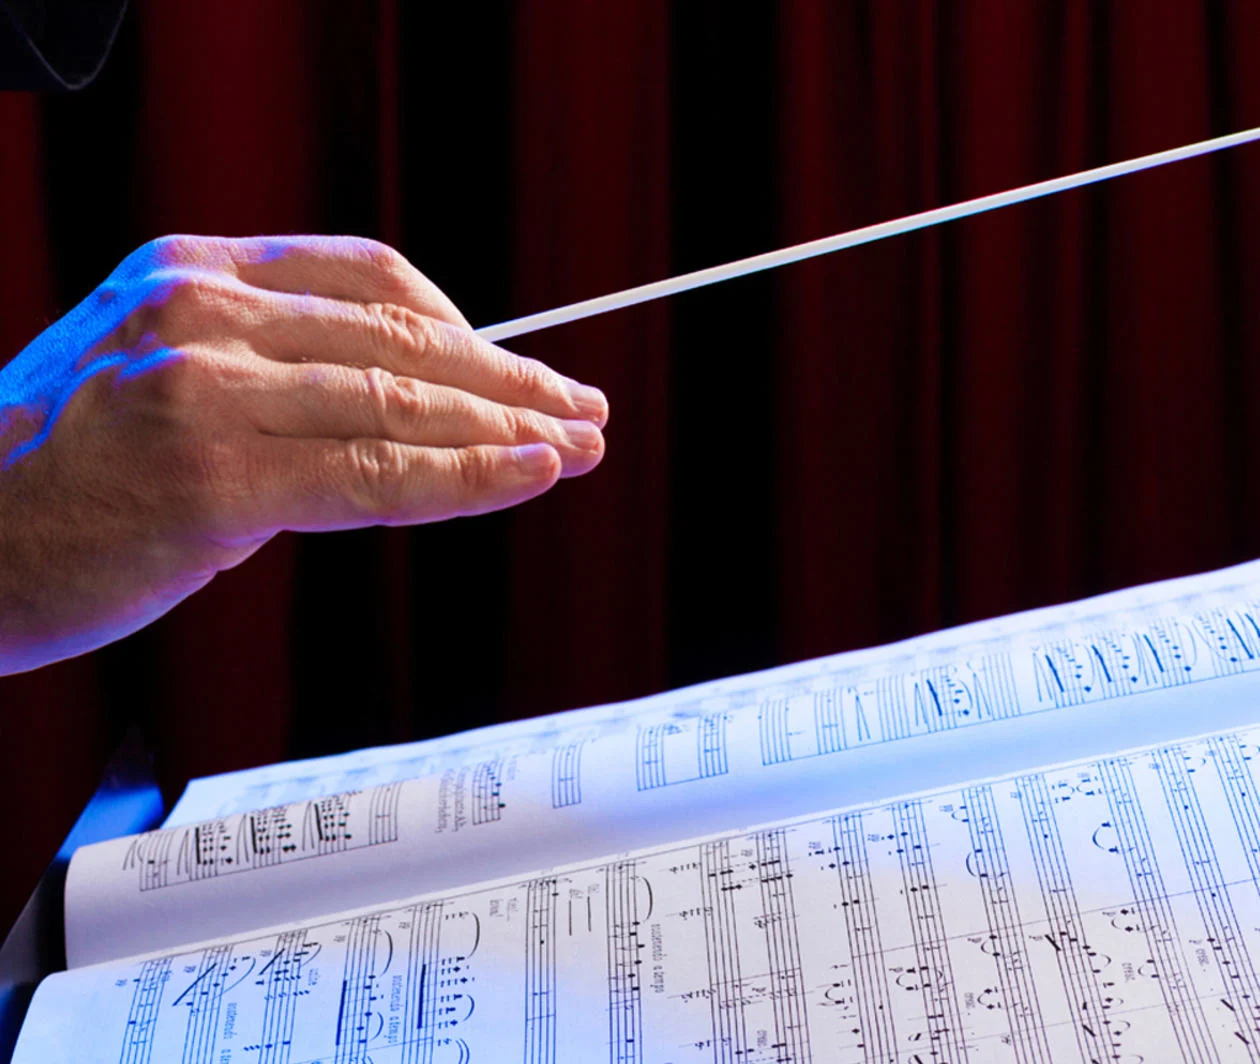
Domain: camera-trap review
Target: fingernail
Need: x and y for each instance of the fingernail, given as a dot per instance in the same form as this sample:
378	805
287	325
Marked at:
590	402
583	435
534	459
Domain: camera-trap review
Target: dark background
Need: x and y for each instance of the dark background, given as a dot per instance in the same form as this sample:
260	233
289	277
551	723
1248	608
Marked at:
1006	412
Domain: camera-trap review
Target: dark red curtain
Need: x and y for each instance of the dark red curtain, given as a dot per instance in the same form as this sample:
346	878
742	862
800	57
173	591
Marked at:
1045	401
1010	411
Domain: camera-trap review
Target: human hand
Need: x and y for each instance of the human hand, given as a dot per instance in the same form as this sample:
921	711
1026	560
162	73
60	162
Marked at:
213	392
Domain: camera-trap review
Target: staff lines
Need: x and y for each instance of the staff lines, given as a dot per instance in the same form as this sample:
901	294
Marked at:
934	969
1225	931
541	932
624	946
945	908
1152	901
265	838
876	1023
1006	927
974	930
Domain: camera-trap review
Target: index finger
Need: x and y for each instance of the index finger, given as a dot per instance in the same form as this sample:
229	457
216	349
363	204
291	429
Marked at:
348	268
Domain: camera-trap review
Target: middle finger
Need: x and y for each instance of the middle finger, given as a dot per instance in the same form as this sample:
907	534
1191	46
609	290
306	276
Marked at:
303	328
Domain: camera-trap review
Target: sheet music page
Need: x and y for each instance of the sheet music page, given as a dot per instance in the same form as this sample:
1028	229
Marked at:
931	718
239	792
1106	909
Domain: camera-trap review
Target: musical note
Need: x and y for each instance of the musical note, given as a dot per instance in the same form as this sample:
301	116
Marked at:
1240	988
281	980
781	925
149	984
540	971
1105	909
625	963
1102	910
874	1030
725	979
264	838
487	792
1006	943
1153	908
1075	959
933	972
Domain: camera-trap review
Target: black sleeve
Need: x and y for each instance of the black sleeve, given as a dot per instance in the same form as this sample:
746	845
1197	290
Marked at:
55	44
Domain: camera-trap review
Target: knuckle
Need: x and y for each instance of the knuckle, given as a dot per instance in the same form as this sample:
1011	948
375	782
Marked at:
397	327
380	386
183	291
176	301
173	252
378	477
141	324
460	344
173	383
394	398
475	471
176	249
427	335
521	425
528	376
387	263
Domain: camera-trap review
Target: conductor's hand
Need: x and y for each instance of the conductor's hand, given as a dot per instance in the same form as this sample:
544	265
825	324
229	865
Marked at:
213	392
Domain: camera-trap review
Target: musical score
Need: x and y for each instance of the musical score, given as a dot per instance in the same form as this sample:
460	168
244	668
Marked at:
1016	990
314	828
928	967
282	980
540	972
817	709
146	989
1105	910
679	751
566	775
625	926
487	792
863	993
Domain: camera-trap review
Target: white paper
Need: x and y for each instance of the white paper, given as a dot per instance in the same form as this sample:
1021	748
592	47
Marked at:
808	740
1104	910
258	788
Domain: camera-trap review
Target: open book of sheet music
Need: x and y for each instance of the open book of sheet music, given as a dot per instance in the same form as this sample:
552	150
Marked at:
1034	839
